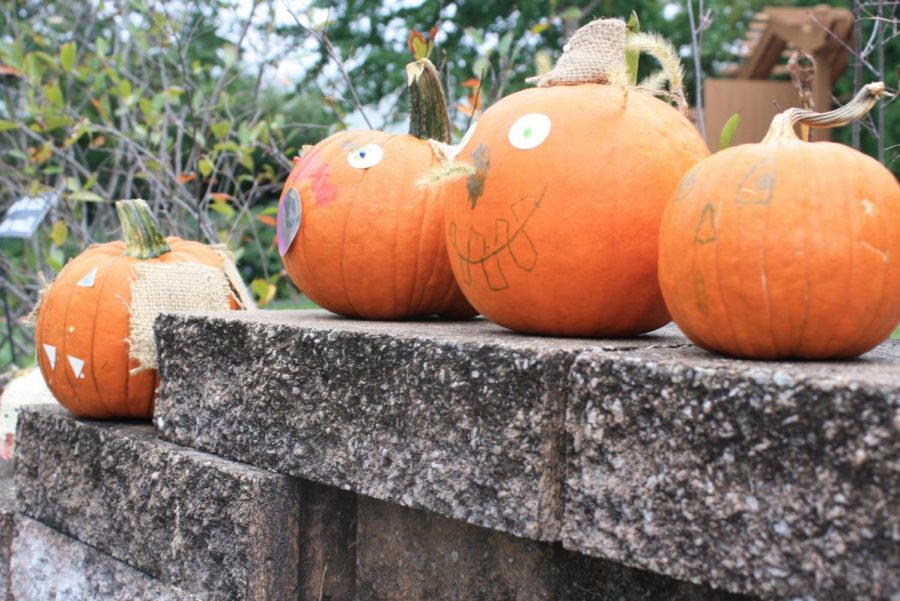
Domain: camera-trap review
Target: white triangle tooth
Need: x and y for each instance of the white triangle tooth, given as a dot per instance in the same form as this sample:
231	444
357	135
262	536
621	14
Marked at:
77	366
50	351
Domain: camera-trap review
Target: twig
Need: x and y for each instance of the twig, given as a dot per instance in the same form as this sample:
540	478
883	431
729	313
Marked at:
332	53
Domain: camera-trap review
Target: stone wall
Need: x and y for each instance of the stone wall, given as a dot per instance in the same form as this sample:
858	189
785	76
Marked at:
298	455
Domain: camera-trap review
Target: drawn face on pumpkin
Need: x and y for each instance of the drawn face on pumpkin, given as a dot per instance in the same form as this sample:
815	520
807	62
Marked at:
555	228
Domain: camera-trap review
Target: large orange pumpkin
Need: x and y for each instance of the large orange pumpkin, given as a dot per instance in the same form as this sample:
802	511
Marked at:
356	234
84	333
555	229
786	248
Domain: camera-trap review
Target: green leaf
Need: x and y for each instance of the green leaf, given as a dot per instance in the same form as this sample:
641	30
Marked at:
264	291
728	131
571	13
229	54
476	35
59	232
85	196
206	167
6	125
222	208
56	259
220	129
540	27
505	43
632	56
54	94
480	67
67	55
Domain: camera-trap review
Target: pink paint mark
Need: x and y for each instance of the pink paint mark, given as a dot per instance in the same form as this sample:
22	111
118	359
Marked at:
311	168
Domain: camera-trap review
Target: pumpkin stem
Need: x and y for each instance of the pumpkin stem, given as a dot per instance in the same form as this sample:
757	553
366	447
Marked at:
782	127
143	238
429	118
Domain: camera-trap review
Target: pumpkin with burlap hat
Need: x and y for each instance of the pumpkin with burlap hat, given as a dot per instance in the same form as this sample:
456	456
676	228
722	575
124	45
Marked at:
554	200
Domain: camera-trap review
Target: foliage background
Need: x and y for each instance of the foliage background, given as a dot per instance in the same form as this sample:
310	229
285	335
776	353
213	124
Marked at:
199	106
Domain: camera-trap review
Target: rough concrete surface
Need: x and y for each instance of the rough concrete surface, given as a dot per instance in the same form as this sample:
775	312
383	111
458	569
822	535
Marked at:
7	532
191	520
780	479
464	419
409	555
47	565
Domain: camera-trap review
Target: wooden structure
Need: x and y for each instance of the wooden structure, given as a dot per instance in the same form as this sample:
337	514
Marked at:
822	31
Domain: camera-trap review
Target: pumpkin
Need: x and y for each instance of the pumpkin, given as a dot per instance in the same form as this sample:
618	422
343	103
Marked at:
356	234
786	249
93	332
554	229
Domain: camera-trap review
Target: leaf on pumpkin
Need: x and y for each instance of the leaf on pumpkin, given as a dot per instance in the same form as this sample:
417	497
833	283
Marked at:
418	45
632	56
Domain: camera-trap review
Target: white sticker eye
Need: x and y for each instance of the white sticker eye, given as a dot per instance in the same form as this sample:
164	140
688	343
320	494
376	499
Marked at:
529	131
468	135
365	156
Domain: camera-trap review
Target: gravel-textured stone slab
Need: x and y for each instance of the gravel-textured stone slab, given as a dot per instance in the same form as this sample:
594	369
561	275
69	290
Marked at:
191	520
7	531
780	479
409	555
464	419
49	565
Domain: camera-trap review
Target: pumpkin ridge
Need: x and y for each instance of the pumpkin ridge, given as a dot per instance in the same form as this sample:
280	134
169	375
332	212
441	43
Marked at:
765	278
806	212
62	355
721	295
873	324
341	262
415	279
93	347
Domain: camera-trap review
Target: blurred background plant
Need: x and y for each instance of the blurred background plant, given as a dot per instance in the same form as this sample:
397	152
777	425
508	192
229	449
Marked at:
199	106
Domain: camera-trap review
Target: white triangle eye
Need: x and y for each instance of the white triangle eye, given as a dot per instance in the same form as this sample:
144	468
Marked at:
77	366
88	280
529	131
365	156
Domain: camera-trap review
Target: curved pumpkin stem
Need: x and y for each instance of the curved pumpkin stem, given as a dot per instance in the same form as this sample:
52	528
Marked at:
429	118
143	238
782	127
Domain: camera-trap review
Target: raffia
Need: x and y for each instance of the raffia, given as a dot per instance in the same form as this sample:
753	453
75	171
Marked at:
594	54
166	287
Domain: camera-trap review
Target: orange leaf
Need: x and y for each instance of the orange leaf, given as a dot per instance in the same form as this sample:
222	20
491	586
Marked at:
413	37
98	141
7	70
184	178
267	219
221	196
472	83
465	109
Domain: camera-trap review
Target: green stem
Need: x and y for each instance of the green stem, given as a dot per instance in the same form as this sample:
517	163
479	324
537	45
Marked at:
143	238
429	118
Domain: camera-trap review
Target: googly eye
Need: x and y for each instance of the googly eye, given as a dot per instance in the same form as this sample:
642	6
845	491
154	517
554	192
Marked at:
529	131
290	213
468	135
365	156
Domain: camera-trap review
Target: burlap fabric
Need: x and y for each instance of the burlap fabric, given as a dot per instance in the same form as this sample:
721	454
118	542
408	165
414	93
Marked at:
165	287
594	54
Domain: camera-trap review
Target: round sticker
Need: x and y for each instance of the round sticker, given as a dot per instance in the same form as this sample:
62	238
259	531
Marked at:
529	131
365	156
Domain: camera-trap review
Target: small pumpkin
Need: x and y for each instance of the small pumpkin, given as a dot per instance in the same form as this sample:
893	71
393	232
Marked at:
786	249
554	228
93	332
356	234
